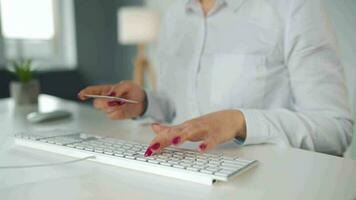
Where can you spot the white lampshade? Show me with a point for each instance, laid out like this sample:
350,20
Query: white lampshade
137,25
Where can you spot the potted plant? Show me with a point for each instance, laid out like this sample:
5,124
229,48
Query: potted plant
25,89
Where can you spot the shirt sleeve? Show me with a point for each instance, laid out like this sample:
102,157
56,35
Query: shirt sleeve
159,107
320,119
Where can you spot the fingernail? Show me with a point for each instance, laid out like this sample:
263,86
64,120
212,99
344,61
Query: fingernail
176,140
78,95
120,103
202,147
112,93
148,152
113,103
155,146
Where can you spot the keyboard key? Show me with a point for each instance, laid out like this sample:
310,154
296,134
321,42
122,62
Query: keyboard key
172,162
118,152
185,164
190,159
200,162
213,169
118,155
165,164
215,161
199,166
178,166
160,160
130,157
153,161
192,169
206,171
109,152
141,159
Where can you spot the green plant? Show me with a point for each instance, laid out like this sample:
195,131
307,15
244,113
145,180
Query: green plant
23,70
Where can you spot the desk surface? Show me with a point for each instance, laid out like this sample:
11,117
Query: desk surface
283,173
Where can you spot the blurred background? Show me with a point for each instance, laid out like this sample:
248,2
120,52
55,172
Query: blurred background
75,43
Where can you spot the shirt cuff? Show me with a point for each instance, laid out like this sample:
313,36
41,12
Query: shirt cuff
152,105
256,130
239,141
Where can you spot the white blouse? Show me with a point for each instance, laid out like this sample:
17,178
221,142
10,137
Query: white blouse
274,60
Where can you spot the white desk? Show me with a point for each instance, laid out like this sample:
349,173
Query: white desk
282,173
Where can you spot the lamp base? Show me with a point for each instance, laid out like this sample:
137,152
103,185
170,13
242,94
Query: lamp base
142,66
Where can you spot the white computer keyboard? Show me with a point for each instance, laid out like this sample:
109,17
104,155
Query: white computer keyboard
172,162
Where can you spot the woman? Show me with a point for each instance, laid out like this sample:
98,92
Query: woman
246,70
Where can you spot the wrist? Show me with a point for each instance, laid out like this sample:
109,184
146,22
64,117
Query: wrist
144,104
240,131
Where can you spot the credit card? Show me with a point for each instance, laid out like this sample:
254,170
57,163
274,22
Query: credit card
111,97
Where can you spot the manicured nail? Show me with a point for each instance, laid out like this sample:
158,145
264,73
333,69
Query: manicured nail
120,103
155,146
202,147
113,103
176,140
112,93
148,152
78,95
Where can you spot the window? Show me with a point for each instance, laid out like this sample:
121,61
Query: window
39,29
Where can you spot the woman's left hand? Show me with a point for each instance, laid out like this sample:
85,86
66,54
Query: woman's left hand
212,129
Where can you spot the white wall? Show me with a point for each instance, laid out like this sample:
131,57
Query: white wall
343,15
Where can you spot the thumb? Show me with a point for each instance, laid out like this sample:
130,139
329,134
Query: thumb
157,127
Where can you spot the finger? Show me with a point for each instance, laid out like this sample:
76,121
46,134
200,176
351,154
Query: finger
179,134
122,88
157,145
111,91
207,144
162,129
162,139
100,103
189,132
158,128
94,90
108,110
117,114
104,103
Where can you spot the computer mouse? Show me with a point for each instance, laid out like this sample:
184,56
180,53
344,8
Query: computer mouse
37,117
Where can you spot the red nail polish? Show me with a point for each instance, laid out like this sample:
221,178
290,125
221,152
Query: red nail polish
113,103
112,93
155,146
202,147
176,140
148,152
120,103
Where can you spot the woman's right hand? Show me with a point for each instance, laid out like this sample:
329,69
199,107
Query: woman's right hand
116,109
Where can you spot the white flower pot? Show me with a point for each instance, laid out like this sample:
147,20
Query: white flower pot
25,93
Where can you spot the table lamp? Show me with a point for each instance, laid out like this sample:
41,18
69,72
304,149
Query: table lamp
139,26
